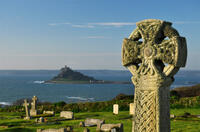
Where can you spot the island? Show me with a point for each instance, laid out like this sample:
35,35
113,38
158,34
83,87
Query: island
69,76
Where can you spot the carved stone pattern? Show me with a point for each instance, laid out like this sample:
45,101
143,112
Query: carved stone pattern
145,116
153,61
149,30
172,52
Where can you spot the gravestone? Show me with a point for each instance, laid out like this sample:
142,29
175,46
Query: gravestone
49,112
112,127
26,104
93,122
33,110
53,130
153,53
131,108
172,116
67,114
115,109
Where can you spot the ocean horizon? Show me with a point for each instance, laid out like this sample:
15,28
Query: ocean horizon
20,84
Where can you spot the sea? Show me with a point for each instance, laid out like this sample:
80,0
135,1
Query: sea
21,84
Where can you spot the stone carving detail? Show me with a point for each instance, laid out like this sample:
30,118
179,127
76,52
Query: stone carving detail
146,116
153,53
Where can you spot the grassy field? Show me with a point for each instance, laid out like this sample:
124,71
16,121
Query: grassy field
16,124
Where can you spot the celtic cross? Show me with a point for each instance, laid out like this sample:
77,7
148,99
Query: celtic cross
153,53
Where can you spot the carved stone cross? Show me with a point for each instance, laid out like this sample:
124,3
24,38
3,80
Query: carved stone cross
26,104
33,111
153,53
34,103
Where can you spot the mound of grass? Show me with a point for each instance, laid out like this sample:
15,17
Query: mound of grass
190,91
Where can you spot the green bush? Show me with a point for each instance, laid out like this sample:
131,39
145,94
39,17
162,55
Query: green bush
60,104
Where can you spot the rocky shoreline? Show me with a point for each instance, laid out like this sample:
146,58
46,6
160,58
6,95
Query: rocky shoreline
86,82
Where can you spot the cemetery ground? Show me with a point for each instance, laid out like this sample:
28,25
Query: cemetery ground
185,112
14,123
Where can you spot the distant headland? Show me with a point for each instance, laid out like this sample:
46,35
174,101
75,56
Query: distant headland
69,76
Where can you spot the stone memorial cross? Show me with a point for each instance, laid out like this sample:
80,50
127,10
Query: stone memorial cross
26,104
34,103
34,106
153,53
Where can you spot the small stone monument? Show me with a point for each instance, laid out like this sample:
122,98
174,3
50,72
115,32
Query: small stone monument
112,127
49,112
153,53
26,104
172,116
93,122
53,130
131,108
33,110
115,109
67,114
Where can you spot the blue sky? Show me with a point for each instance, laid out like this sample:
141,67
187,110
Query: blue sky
85,34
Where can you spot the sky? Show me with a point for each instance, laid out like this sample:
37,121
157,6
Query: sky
86,34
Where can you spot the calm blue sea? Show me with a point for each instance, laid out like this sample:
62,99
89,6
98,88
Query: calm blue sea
18,84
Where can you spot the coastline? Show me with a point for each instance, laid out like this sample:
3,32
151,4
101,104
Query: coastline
86,82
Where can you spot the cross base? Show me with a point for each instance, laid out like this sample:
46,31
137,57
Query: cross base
151,113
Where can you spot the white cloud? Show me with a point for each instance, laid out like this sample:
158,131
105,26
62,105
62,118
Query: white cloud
57,24
92,25
112,24
82,26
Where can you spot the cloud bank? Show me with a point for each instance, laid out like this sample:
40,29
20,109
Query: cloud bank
111,24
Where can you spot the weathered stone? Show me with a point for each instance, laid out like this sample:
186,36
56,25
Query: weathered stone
114,127
52,130
67,114
172,116
49,112
33,111
115,109
153,53
26,104
131,108
93,122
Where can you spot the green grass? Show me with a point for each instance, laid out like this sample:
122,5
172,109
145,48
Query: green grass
19,125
